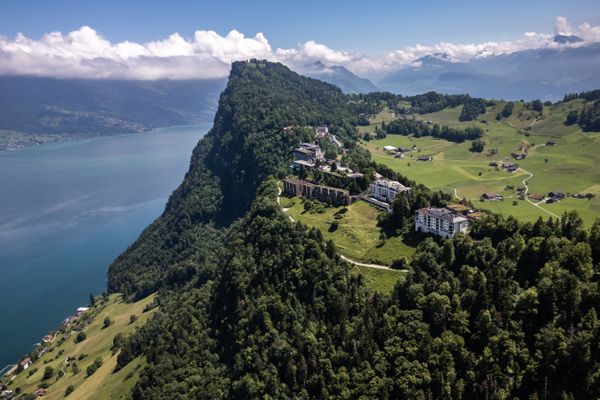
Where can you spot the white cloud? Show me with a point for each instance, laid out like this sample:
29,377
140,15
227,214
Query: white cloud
85,53
562,26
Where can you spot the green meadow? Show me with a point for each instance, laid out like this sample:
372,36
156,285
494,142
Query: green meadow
572,166
357,235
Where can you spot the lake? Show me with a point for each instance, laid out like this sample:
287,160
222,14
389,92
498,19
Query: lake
66,211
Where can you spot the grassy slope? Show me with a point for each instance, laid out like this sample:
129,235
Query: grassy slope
573,166
103,384
357,237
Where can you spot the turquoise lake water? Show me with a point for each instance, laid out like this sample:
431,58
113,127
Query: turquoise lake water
66,211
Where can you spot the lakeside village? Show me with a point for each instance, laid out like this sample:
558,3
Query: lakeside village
310,161
72,325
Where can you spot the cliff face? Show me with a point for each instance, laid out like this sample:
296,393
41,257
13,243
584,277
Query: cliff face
245,145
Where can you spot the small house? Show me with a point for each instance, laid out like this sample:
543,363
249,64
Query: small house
490,196
493,164
424,158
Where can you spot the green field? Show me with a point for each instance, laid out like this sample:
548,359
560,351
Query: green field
103,383
357,235
573,166
380,280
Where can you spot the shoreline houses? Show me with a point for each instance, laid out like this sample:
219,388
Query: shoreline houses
386,190
440,221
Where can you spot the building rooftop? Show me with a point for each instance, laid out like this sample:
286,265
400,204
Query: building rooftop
443,214
395,185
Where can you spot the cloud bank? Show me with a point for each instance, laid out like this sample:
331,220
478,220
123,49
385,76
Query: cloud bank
85,53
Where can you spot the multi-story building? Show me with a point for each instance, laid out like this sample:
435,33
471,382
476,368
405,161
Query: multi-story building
328,194
307,152
440,221
386,190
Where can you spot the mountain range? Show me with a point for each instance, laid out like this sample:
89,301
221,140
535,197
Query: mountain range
547,73
79,107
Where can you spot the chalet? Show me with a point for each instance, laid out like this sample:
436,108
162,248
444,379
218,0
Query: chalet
301,188
386,190
519,156
424,158
551,143
440,221
491,196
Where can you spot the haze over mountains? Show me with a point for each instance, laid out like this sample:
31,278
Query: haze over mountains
546,73
81,107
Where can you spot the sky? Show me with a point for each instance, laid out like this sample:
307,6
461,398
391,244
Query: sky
198,39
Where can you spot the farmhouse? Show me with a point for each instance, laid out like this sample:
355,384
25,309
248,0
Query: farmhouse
491,196
510,167
534,196
300,188
440,221
555,197
386,190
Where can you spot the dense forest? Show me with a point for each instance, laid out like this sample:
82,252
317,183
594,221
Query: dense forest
589,116
420,128
253,305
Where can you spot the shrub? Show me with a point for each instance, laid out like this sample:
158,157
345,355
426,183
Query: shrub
80,337
48,373
69,390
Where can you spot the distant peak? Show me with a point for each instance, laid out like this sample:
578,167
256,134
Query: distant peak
565,39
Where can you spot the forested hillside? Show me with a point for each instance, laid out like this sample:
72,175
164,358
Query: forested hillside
244,147
261,307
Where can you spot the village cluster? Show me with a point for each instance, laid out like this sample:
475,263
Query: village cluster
73,322
381,193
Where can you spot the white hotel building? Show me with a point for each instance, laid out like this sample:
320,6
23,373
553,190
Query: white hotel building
386,190
440,221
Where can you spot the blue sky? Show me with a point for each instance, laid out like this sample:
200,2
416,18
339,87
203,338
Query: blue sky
199,39
369,27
